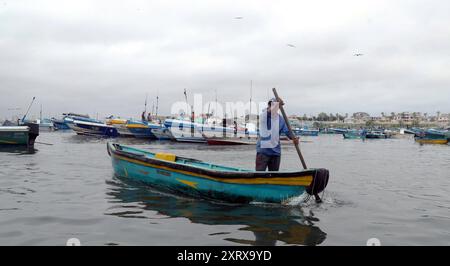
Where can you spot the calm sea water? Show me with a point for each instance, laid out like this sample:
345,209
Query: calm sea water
395,190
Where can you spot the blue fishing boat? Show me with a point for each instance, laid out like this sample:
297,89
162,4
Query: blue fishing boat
45,124
121,126
60,124
187,131
355,134
306,132
195,178
162,133
140,129
326,131
94,129
240,137
431,137
67,120
134,128
376,134
338,130
184,131
412,131
444,132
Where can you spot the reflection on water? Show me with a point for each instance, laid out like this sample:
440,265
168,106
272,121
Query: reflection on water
269,224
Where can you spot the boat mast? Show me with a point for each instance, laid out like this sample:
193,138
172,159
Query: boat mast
251,94
215,110
187,103
250,111
153,109
145,105
247,119
25,115
157,102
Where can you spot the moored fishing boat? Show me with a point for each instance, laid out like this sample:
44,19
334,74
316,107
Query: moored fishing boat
162,133
230,136
230,140
185,131
326,131
200,179
24,135
120,125
59,124
431,137
67,120
445,132
337,130
355,134
94,129
412,131
45,124
306,132
140,129
376,134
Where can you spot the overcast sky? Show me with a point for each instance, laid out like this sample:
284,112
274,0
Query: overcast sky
105,56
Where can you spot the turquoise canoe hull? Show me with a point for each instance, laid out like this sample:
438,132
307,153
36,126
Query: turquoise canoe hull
221,184
352,135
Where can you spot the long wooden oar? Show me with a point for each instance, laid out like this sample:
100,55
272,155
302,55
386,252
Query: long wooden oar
289,128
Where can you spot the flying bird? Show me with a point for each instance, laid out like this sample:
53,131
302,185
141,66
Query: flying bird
358,54
290,45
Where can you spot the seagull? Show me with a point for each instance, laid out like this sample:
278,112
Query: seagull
290,45
358,54
238,17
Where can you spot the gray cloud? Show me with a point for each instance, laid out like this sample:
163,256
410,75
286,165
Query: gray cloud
104,56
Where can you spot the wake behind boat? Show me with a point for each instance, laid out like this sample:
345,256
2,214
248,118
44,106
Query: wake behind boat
192,177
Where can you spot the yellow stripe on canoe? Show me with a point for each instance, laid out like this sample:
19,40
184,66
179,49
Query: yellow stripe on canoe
290,181
432,141
8,142
116,121
189,183
136,126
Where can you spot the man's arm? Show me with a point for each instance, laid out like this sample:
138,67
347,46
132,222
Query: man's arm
284,129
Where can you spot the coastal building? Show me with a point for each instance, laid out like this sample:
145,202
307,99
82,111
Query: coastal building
363,116
443,118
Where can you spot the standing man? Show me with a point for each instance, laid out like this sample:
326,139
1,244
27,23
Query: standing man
268,148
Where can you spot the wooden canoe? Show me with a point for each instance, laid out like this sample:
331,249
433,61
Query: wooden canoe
192,177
